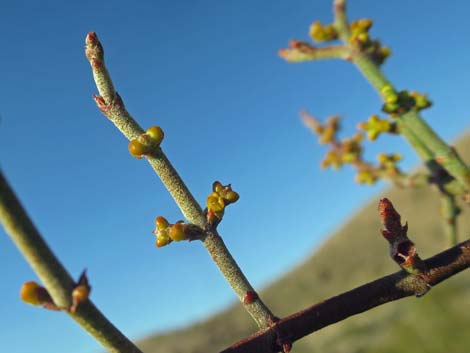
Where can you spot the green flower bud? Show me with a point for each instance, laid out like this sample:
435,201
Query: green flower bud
215,202
137,149
176,232
156,134
231,196
161,223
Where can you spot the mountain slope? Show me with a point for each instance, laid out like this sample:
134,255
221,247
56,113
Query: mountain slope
354,255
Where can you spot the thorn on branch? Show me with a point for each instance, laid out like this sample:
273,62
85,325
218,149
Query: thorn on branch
81,292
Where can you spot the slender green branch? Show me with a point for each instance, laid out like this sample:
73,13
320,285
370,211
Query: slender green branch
371,71
341,21
24,234
450,211
112,106
411,126
300,51
53,275
438,175
442,152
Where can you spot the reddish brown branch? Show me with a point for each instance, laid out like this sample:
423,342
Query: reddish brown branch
363,298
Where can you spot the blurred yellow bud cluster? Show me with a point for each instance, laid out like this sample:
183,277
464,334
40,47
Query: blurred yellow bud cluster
375,126
403,101
347,151
388,162
366,176
387,168
218,199
421,100
350,150
360,36
360,30
322,33
326,132
142,145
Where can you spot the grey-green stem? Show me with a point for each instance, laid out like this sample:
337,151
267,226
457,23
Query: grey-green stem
52,273
411,120
113,108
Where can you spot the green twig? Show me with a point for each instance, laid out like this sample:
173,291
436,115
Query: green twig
429,146
341,21
438,176
299,51
411,120
450,211
53,275
112,106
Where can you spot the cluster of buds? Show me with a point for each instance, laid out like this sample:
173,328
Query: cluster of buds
403,101
367,175
218,199
388,162
347,151
387,167
166,232
421,100
326,132
146,142
322,33
35,294
360,31
376,126
360,36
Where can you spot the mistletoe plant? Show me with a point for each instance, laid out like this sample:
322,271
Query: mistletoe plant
445,170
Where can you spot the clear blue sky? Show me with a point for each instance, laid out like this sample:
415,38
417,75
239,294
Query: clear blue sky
209,74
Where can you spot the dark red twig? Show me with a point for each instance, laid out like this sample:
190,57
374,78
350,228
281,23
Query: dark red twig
386,289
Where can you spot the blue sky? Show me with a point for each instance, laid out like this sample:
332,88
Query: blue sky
209,74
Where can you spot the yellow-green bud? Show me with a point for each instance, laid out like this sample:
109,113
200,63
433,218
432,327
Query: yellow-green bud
217,187
162,241
137,149
364,23
316,31
29,293
176,232
215,202
156,134
161,223
231,196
